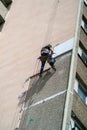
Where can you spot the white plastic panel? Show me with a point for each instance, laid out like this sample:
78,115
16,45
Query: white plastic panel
63,47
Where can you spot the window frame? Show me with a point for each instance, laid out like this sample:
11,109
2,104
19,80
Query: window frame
84,24
76,123
79,89
82,54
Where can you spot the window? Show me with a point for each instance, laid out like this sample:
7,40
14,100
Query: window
1,20
4,7
3,11
85,1
82,55
80,90
84,24
75,123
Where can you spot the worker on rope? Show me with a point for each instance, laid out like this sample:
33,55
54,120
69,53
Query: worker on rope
46,55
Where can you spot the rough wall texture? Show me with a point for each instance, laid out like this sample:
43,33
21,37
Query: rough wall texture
29,25
47,115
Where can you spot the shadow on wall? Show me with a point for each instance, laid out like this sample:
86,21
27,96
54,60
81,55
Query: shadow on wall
37,86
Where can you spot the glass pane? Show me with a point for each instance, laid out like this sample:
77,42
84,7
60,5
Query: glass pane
82,94
84,58
85,27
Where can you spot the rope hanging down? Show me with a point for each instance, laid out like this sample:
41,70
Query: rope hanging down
51,21
36,66
49,30
47,37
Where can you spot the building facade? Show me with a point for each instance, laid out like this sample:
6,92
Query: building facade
30,102
64,99
79,107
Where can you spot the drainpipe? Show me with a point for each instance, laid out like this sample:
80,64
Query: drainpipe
69,96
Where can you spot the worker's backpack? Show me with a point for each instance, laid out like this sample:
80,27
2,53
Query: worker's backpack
51,60
45,50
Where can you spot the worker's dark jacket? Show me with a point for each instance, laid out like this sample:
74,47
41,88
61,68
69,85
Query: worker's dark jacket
45,52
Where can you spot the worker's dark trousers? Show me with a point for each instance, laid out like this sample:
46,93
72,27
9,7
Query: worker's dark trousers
43,62
51,62
42,66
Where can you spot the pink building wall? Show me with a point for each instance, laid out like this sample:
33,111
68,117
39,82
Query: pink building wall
29,25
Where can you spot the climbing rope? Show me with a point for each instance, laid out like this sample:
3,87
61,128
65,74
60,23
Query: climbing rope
51,21
49,30
36,66
50,26
47,37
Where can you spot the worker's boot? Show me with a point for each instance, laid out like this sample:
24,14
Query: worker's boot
54,68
